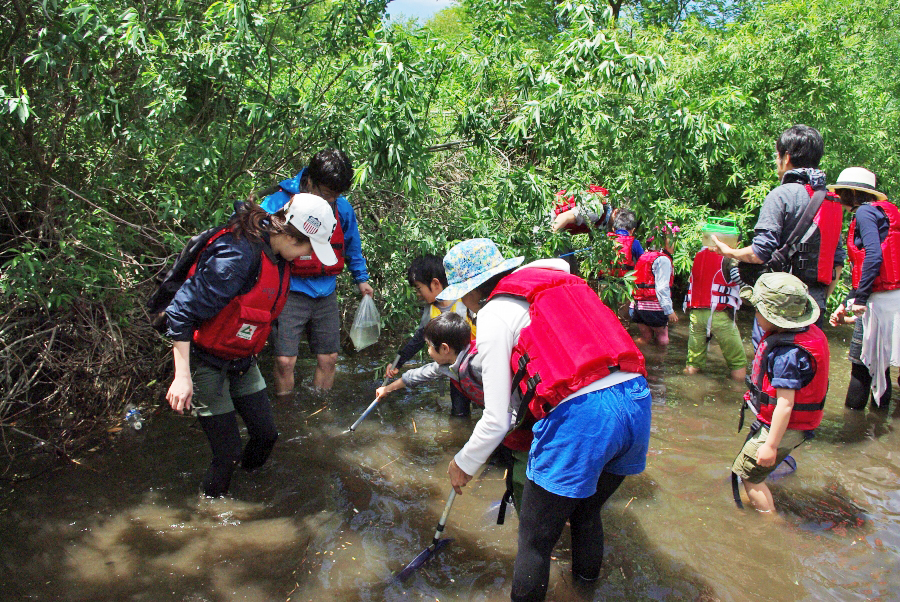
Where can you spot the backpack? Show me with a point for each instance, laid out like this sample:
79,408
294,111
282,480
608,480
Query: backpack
781,258
169,283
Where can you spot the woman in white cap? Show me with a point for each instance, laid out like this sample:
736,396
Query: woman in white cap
221,317
873,245
581,402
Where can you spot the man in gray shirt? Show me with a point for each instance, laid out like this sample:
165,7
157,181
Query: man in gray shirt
820,258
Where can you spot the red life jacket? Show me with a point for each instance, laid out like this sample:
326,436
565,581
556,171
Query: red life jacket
240,330
555,357
814,260
709,285
644,281
625,254
310,266
564,204
470,386
808,401
888,278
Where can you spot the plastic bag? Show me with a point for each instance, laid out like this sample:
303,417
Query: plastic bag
366,325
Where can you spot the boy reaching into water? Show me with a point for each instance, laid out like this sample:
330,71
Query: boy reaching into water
450,345
788,381
426,275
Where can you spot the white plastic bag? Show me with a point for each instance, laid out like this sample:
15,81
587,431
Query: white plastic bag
366,325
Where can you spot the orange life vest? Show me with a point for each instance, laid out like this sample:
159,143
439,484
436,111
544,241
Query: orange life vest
709,286
553,357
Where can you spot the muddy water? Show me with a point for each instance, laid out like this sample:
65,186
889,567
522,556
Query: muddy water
334,515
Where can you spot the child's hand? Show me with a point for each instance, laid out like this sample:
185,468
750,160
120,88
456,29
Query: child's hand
380,392
766,455
390,371
673,318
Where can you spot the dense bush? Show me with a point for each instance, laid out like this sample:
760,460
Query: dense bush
127,127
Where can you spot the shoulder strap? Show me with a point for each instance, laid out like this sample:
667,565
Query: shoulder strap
781,255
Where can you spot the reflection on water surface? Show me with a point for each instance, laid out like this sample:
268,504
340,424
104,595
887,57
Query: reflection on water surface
335,515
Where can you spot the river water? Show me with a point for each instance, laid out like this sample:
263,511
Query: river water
335,515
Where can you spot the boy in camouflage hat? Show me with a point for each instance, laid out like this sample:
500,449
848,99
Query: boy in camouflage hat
788,381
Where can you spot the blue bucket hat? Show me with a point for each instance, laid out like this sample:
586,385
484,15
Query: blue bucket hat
470,264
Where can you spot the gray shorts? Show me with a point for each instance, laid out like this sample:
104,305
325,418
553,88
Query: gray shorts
318,320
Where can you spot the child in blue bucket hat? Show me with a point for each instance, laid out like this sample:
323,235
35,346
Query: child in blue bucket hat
577,371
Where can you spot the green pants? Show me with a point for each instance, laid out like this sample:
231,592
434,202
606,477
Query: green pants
725,332
214,390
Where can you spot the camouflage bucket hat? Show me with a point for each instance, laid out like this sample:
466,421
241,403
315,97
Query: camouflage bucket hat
782,299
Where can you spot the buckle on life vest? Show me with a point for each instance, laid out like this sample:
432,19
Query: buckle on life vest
521,372
735,479
531,389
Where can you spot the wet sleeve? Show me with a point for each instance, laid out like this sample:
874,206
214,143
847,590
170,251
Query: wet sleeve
497,330
790,367
418,376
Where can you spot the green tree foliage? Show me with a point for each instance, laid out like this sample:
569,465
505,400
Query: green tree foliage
127,127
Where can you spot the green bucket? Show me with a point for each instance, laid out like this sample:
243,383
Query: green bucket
723,228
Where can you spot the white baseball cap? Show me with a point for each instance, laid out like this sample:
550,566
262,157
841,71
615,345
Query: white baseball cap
314,217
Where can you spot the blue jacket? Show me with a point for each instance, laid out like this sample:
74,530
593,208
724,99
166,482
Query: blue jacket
226,268
322,286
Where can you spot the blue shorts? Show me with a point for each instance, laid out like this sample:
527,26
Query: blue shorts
602,431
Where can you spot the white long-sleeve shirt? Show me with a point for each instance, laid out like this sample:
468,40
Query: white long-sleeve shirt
499,325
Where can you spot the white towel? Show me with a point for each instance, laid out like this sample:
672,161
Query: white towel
881,337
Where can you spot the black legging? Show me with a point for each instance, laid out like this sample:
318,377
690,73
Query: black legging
541,522
860,388
225,440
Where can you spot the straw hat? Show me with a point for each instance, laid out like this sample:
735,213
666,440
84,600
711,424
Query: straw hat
783,300
470,264
857,178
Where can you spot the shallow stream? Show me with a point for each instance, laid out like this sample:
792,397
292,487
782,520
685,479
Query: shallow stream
335,515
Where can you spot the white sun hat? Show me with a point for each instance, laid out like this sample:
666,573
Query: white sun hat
857,178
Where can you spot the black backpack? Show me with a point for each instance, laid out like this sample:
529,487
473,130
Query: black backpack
169,283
